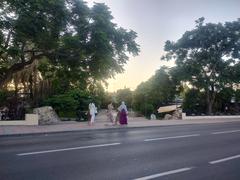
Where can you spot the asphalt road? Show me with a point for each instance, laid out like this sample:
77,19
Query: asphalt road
189,152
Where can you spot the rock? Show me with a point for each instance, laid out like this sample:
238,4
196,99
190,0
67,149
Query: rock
177,114
167,117
46,115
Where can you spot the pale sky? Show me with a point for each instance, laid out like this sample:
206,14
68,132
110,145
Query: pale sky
157,21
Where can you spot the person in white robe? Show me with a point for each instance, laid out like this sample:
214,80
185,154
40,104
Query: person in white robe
92,112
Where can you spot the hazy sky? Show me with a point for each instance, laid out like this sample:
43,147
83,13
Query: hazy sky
157,21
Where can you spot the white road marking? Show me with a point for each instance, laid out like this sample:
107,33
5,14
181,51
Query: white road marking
164,173
67,149
172,137
225,159
225,132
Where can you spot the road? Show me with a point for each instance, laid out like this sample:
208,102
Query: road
168,153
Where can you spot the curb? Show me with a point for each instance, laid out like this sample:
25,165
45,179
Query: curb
78,130
106,129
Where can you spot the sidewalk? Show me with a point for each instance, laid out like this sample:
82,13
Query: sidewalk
101,123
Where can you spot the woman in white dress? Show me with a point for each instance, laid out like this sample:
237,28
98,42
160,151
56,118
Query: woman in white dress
92,112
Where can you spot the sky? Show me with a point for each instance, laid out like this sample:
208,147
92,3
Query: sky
155,22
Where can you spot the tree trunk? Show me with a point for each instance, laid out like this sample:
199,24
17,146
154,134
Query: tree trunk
31,87
209,106
210,100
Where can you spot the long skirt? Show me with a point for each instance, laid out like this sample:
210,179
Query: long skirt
123,117
110,116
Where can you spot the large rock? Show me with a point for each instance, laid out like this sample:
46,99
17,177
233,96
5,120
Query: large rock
46,115
177,114
167,117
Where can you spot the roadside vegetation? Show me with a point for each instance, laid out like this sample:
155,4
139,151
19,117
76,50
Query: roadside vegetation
61,53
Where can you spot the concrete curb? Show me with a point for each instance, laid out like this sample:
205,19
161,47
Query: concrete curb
108,129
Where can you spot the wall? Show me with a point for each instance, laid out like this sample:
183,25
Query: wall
30,119
184,117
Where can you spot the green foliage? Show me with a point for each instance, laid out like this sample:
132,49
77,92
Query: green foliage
107,99
62,103
223,98
70,103
207,57
194,102
82,97
76,47
237,95
125,95
157,91
3,97
147,109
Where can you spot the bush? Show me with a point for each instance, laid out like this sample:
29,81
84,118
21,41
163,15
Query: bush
62,103
3,97
70,103
147,109
194,102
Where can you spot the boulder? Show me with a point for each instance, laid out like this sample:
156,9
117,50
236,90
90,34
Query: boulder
177,114
46,115
167,117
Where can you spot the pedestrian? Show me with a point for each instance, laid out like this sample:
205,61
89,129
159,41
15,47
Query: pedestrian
92,111
123,113
4,113
153,116
117,117
110,112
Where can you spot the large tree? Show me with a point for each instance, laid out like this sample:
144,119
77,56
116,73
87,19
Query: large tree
124,95
207,57
156,91
29,30
63,41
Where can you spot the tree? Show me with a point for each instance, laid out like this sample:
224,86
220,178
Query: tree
124,95
194,102
208,57
70,103
156,91
29,30
62,43
162,87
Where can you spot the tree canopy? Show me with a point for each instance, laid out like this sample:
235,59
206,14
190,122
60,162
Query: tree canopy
62,43
124,95
156,91
207,57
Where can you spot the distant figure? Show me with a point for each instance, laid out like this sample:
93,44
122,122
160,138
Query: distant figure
226,109
4,113
153,117
123,113
110,113
20,111
92,111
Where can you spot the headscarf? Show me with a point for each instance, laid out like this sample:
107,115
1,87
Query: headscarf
122,106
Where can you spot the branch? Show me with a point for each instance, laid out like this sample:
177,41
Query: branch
8,39
17,67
